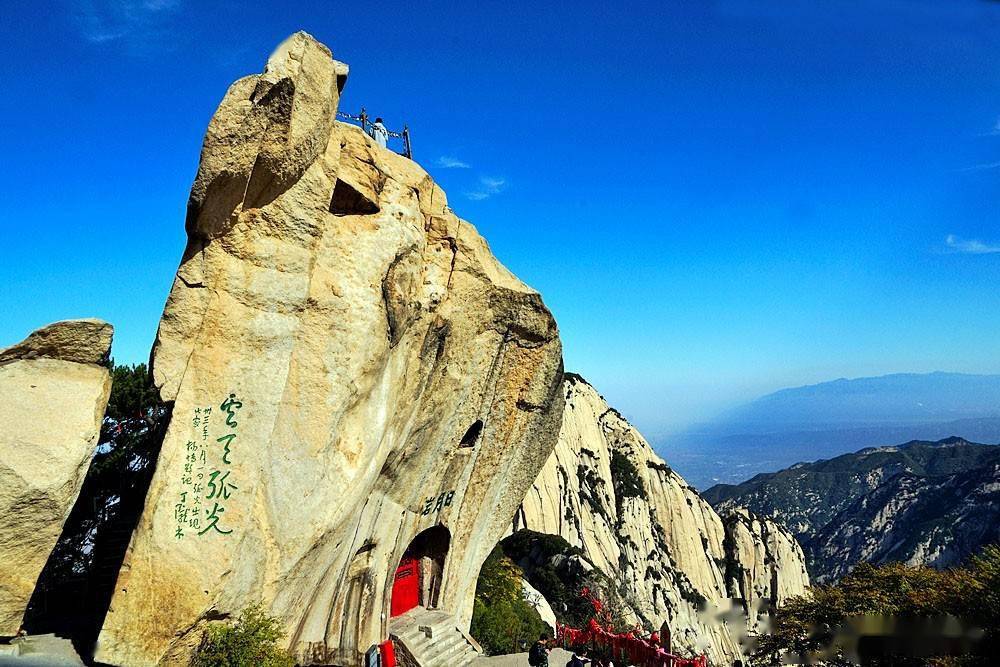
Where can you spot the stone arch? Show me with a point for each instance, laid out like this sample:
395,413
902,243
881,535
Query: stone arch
418,577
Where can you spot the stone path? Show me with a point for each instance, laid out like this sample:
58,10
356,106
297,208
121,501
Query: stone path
557,658
39,651
52,651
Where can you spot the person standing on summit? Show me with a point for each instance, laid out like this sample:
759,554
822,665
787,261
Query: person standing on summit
379,133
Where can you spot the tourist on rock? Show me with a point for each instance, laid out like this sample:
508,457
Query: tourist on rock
538,655
379,133
577,661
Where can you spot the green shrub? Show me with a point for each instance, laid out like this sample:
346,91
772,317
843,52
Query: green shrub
807,624
254,640
625,477
560,571
502,620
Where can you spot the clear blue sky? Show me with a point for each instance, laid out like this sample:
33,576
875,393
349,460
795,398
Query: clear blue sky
716,199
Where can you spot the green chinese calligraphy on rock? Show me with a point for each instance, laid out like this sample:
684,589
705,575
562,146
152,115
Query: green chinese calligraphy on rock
212,520
225,451
230,406
218,486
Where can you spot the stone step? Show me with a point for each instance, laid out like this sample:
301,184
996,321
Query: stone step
446,645
454,654
446,648
438,650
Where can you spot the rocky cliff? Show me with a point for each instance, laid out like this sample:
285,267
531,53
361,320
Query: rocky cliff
923,503
54,387
354,376
605,491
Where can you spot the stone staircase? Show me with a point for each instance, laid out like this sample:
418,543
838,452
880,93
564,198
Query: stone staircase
433,639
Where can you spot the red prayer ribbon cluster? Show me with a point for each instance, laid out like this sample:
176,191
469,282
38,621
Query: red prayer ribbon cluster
638,650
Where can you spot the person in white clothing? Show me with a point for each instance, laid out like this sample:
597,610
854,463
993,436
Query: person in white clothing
379,133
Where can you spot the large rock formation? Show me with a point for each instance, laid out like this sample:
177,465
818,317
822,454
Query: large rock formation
605,491
54,388
764,562
352,372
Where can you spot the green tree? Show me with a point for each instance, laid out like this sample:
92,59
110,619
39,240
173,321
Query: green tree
254,640
984,597
502,620
625,478
561,572
806,625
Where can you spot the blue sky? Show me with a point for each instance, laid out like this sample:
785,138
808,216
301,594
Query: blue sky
716,199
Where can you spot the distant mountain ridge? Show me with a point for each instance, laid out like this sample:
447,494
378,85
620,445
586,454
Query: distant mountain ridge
930,503
899,398
831,418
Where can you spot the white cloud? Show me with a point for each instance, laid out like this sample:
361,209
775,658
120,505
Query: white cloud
981,167
451,162
102,21
993,131
488,186
970,246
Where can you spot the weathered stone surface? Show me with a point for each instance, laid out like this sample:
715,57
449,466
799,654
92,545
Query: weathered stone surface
664,544
85,341
762,557
53,393
381,373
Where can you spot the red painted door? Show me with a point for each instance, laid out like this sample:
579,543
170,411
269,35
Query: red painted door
405,587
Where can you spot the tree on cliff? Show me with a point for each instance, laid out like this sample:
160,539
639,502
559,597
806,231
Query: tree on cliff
910,604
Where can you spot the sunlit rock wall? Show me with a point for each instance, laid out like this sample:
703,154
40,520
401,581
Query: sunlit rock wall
54,387
676,560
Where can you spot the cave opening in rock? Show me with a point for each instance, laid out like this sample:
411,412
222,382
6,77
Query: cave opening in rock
347,200
472,435
417,580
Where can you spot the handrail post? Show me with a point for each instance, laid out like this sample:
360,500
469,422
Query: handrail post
406,142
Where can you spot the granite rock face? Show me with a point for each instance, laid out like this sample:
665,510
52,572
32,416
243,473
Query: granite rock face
53,392
921,503
605,491
764,561
354,375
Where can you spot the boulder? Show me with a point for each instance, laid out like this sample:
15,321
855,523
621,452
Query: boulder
357,384
605,491
54,387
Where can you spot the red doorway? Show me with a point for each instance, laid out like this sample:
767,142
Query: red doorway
417,581
405,587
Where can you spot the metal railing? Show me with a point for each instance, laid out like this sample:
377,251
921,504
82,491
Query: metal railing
367,126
